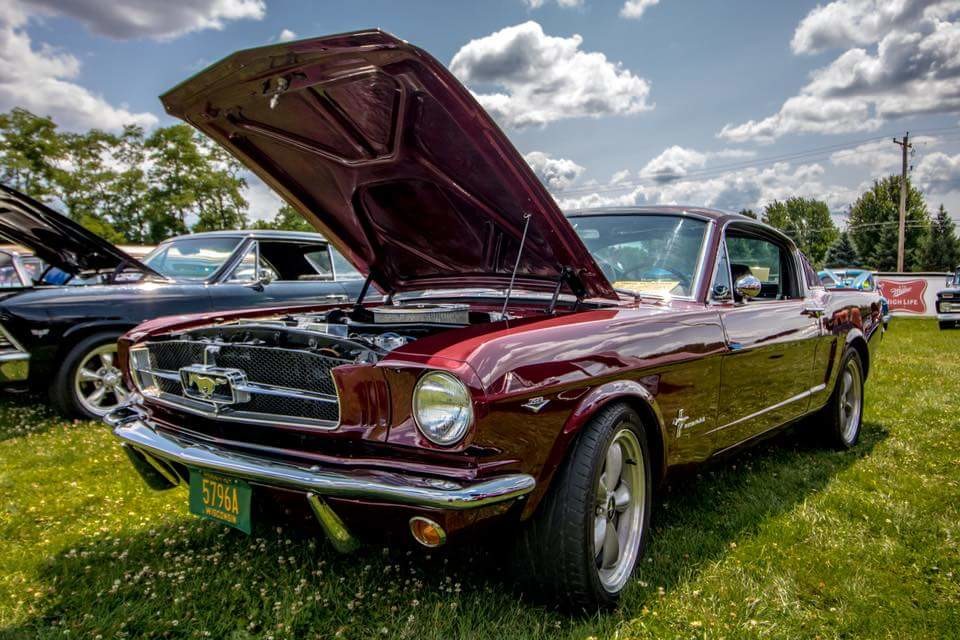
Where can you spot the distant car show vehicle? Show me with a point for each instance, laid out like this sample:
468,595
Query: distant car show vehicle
64,304
948,302
858,280
531,370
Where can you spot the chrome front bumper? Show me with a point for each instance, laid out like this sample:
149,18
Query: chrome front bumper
949,316
160,449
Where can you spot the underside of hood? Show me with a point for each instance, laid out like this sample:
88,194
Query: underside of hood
388,155
58,240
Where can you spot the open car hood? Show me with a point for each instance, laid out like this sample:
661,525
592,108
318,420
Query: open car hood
58,240
388,155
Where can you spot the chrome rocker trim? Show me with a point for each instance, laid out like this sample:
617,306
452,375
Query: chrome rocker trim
136,432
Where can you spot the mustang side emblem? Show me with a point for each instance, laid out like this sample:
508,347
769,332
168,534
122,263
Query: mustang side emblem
683,421
535,404
204,384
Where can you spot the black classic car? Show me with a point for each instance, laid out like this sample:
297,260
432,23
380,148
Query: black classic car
948,302
59,332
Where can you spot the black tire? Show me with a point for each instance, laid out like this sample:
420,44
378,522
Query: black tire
62,393
554,554
946,324
839,432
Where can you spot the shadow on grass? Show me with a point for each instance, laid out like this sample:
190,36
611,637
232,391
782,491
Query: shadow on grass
23,412
191,577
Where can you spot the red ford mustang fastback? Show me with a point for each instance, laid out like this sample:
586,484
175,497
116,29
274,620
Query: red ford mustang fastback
525,368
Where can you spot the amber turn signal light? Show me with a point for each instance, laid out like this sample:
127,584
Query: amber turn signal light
427,532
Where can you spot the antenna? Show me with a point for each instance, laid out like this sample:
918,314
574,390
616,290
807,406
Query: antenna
513,276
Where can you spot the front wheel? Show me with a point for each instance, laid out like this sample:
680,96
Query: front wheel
89,384
581,546
947,324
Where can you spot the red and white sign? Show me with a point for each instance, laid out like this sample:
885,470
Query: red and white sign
904,295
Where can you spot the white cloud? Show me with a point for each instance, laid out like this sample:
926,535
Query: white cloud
734,190
287,35
541,79
860,22
556,173
635,8
264,201
566,4
159,19
937,174
39,78
676,161
914,68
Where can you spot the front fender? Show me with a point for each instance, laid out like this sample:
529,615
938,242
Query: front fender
636,394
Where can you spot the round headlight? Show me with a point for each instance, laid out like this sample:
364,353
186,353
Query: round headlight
442,408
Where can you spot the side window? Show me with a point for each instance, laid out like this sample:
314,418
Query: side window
767,261
722,289
8,272
251,267
868,284
344,269
319,260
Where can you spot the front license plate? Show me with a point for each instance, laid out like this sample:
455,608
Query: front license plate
220,498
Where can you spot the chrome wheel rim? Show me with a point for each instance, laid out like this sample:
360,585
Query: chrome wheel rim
618,519
851,390
98,382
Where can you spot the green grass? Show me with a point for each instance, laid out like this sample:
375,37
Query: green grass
784,541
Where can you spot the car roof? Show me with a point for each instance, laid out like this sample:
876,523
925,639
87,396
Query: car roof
272,234
703,213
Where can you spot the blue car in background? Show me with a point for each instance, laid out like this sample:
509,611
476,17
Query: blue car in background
858,279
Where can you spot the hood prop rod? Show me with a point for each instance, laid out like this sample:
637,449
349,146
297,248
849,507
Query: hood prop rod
565,273
363,292
516,265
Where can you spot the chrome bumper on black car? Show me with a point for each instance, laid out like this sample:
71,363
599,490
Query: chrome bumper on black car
160,449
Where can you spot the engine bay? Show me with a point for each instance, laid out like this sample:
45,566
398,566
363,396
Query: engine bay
357,335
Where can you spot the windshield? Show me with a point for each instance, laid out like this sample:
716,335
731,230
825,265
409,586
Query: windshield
656,254
191,258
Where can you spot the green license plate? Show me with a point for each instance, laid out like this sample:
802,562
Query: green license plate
220,498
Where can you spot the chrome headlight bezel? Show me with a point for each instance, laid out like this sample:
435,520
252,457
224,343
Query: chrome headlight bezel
443,430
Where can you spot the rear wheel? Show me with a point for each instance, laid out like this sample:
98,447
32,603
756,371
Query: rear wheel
89,384
843,415
581,546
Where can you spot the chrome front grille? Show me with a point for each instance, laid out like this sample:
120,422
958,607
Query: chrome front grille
279,386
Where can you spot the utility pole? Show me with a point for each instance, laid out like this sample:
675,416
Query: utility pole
905,148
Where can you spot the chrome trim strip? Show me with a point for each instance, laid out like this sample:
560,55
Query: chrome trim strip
251,387
756,414
953,315
397,488
228,415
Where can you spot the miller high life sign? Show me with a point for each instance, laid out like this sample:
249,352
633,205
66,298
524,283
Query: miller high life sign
904,295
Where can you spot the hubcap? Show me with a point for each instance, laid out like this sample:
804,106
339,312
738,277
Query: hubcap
618,522
851,389
98,383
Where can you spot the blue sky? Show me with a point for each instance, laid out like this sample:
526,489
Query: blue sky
626,101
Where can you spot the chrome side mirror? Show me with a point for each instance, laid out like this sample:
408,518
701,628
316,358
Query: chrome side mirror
748,287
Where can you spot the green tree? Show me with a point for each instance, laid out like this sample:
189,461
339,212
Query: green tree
287,218
842,253
941,252
220,186
873,224
83,177
177,167
750,213
807,221
30,148
128,194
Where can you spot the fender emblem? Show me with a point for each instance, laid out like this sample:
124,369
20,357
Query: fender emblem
683,421
535,404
